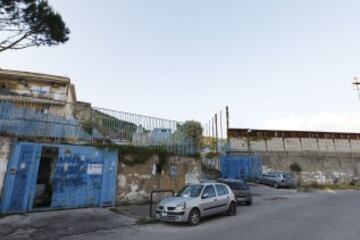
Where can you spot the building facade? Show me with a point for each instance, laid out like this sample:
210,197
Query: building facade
47,93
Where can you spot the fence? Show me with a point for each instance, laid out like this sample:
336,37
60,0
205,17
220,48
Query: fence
61,121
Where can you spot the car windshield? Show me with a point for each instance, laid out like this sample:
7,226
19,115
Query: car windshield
237,185
191,191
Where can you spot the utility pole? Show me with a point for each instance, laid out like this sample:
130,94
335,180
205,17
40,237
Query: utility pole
227,120
216,132
221,126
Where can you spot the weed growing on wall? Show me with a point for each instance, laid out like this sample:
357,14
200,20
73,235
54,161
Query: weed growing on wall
134,155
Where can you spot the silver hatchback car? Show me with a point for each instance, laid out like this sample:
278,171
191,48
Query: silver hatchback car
195,201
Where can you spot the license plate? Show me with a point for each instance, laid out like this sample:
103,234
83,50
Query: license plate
164,214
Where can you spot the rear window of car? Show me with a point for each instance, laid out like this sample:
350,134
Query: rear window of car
238,185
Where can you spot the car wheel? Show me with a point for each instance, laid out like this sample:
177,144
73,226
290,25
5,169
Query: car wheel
232,209
248,203
194,217
276,185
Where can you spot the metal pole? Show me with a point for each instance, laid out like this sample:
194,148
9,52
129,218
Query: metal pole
227,127
221,126
216,132
209,129
227,119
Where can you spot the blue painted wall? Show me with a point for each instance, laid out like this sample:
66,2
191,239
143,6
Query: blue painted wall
84,177
240,167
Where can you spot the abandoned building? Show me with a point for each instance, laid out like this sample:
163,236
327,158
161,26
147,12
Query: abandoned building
48,93
37,111
47,156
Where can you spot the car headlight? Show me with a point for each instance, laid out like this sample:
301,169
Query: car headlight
181,206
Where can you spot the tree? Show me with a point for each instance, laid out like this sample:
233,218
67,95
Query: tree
28,23
189,131
296,168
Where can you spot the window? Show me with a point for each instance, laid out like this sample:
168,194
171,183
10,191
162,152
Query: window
209,191
238,185
221,190
225,190
288,176
191,190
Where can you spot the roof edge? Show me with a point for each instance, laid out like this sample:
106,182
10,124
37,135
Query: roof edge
34,75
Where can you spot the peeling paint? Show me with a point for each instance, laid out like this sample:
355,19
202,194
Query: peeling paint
135,183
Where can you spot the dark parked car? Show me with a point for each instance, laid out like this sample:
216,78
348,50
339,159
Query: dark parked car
240,189
278,179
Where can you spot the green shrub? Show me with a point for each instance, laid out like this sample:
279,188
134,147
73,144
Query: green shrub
295,167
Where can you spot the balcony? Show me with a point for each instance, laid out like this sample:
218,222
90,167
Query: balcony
33,95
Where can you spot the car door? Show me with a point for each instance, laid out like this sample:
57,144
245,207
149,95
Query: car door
266,178
223,197
278,178
272,177
209,201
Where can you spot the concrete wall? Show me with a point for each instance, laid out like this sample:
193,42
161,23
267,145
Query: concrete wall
322,160
5,148
135,183
320,167
296,144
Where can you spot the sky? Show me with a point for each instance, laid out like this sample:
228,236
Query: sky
276,64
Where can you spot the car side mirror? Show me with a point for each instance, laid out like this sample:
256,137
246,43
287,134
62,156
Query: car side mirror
205,195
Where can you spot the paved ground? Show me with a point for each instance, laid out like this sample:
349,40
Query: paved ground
275,214
59,224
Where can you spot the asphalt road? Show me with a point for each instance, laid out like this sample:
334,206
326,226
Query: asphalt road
275,215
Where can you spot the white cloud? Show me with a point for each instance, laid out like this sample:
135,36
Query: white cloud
347,122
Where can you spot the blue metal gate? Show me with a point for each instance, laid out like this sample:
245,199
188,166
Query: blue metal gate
240,167
20,178
83,177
